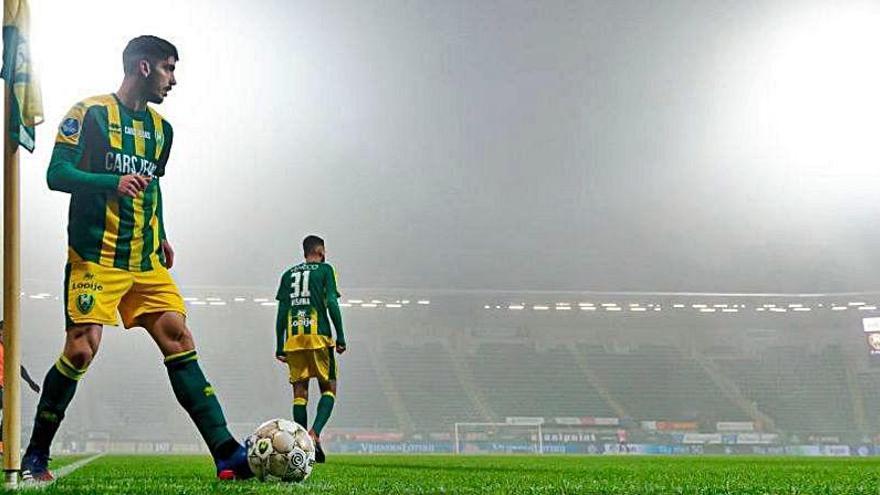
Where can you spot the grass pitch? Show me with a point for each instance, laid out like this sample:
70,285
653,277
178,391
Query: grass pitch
385,474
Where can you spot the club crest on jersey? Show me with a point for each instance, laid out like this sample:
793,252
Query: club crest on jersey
85,302
69,127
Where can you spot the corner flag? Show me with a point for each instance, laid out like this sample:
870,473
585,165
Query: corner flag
27,106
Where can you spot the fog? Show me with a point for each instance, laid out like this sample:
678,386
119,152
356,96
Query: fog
499,145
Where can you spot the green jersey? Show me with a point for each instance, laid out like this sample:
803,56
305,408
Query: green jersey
307,302
98,141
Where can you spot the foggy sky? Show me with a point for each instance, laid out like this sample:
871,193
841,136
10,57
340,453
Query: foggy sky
498,145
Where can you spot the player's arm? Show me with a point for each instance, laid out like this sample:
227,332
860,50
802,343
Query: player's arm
281,321
167,250
334,310
64,173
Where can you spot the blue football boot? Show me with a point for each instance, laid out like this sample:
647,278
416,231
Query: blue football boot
235,467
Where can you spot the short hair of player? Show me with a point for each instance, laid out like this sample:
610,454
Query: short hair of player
146,47
311,244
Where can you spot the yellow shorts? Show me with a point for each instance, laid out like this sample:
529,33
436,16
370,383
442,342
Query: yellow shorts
94,293
312,363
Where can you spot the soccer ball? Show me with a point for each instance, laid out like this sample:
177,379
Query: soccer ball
281,450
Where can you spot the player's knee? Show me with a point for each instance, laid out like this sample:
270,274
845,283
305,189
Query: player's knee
79,356
301,389
82,345
174,337
184,339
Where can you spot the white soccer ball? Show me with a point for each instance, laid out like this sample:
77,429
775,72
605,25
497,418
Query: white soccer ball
281,450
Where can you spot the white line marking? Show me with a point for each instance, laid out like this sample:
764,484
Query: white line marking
59,473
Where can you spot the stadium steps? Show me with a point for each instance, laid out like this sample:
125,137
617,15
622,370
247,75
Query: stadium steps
463,374
856,397
424,377
386,381
517,379
869,382
597,384
361,402
804,391
732,391
655,382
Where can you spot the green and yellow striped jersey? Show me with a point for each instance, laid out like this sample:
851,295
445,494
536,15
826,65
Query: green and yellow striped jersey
98,141
307,302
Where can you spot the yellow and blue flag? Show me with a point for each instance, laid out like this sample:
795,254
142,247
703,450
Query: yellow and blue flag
26,102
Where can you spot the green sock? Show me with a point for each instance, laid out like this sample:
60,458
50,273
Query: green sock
301,412
58,389
196,395
325,407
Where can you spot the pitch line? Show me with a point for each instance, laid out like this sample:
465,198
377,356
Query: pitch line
60,473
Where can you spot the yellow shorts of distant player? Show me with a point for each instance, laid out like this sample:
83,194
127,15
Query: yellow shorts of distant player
94,293
312,363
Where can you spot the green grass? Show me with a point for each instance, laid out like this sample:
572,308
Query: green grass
385,474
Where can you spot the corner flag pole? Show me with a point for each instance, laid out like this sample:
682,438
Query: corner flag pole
11,308
22,112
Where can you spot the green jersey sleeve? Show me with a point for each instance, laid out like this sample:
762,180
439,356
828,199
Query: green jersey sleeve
281,317
283,288
64,173
160,171
332,296
159,212
168,136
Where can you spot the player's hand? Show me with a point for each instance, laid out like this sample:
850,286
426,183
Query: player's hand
168,251
132,184
340,348
282,359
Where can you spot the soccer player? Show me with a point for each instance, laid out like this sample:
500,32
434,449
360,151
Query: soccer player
110,153
306,296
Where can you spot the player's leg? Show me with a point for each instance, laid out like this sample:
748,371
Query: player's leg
194,393
325,405
154,302
301,403
327,370
91,296
80,346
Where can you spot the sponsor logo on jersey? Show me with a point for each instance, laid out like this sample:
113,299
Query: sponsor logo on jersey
69,127
85,302
124,164
301,319
131,131
89,286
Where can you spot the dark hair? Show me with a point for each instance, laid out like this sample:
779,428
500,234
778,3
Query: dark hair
147,47
311,244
